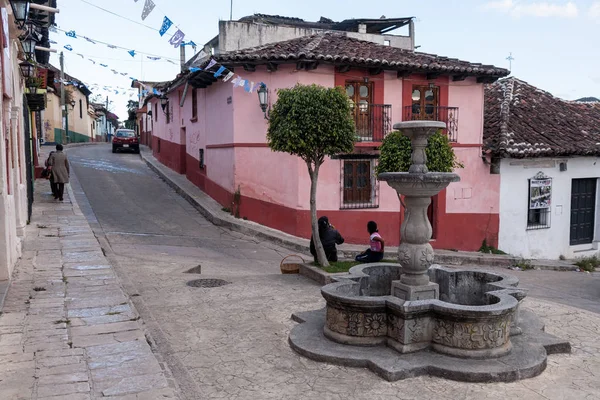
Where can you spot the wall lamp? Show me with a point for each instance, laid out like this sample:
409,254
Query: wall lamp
29,40
164,104
20,10
27,69
263,99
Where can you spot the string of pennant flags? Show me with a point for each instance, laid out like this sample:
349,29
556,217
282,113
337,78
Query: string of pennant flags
178,38
133,53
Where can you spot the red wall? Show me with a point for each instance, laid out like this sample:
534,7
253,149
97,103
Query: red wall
453,231
171,154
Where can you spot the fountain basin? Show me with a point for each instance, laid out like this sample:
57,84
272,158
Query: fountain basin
471,319
418,184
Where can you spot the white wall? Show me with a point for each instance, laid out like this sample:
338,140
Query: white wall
235,35
550,243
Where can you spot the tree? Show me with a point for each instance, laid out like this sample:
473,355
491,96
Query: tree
396,154
312,122
132,107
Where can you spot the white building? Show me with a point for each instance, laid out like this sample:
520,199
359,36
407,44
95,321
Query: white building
547,152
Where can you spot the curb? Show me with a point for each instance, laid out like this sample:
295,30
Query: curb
318,275
445,257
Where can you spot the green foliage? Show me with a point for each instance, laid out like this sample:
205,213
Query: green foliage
396,154
523,264
588,264
311,122
485,248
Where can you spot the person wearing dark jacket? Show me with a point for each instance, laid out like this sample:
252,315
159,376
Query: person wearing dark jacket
330,237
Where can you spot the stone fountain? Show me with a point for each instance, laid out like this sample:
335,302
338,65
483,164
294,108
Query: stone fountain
413,318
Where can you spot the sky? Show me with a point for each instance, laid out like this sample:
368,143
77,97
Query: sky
555,43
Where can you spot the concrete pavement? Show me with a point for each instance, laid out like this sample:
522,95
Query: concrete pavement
67,329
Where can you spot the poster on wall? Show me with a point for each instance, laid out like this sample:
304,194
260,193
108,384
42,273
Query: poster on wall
6,62
540,192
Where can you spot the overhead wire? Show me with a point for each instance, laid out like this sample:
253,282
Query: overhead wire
120,16
120,47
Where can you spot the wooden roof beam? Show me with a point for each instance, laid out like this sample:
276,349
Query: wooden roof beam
375,71
460,77
433,75
403,74
343,68
271,67
249,67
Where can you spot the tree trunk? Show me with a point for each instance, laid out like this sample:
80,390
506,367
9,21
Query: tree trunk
314,176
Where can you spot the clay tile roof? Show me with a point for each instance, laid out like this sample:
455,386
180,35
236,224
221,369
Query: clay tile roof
332,47
524,121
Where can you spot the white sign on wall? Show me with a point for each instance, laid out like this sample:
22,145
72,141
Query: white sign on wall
540,192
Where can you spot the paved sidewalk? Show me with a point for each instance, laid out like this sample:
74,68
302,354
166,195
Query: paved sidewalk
67,329
212,211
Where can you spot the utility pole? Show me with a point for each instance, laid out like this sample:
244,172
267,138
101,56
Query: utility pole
182,57
63,97
106,120
231,11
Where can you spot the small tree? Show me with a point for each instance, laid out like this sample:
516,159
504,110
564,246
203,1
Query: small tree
312,122
396,154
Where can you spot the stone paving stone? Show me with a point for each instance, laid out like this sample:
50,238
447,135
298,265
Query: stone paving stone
63,378
17,393
74,396
133,384
63,389
158,394
56,361
105,328
141,366
113,338
62,369
59,353
116,348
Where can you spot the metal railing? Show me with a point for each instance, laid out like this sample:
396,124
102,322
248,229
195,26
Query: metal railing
373,123
449,115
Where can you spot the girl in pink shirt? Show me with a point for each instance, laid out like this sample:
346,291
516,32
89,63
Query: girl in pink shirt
376,245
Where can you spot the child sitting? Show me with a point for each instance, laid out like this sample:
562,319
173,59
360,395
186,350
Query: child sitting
377,246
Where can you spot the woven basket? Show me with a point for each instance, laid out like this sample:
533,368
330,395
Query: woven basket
289,267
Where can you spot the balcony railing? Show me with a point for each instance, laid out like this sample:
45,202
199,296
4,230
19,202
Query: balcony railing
449,115
373,121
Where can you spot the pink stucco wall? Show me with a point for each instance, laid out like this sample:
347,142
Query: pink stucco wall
478,191
467,95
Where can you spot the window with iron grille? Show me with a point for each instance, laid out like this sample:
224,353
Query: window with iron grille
359,187
539,202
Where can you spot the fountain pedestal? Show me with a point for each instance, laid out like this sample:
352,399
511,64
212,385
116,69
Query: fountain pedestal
418,185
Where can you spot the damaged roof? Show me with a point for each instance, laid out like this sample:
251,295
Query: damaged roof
339,49
373,25
522,121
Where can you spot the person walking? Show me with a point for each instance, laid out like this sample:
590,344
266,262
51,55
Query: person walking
60,171
50,176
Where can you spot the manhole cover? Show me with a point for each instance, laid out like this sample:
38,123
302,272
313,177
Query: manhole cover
207,283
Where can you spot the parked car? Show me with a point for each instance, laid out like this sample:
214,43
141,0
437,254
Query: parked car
125,139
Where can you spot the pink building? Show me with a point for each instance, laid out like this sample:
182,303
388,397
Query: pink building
215,134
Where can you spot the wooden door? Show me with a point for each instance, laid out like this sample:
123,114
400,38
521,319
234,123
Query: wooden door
583,211
361,94
425,102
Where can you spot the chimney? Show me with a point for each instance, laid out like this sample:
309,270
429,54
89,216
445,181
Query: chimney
362,28
182,57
